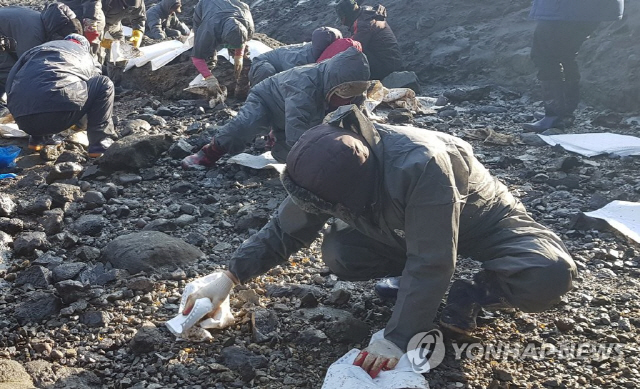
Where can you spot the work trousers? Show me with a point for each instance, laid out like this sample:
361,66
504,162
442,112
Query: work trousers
555,46
530,263
98,110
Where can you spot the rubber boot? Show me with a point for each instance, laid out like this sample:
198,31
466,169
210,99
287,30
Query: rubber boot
554,108
206,157
467,298
39,142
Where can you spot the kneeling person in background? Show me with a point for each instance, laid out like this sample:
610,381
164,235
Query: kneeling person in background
54,86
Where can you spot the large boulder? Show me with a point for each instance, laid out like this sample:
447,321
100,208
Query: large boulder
135,152
149,251
14,376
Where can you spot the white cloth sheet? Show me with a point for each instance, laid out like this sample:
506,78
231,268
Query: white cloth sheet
624,216
263,161
594,144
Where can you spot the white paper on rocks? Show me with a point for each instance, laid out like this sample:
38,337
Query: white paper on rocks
262,161
594,144
160,54
624,216
342,374
11,130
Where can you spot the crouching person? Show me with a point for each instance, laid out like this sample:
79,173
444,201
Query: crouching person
54,86
407,201
289,103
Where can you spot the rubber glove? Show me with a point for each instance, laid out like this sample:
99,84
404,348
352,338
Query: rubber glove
216,287
136,38
379,355
238,60
91,30
106,43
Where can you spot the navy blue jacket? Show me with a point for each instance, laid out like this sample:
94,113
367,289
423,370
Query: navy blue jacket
50,78
577,10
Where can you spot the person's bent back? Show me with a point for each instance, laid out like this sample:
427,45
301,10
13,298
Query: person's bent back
53,86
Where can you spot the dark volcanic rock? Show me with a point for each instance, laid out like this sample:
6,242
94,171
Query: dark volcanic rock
149,251
63,193
402,80
180,149
264,325
135,152
67,271
459,95
91,225
243,361
52,221
27,242
341,326
36,276
39,306
146,339
95,318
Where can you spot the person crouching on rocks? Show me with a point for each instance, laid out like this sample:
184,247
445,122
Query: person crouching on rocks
290,103
55,86
406,202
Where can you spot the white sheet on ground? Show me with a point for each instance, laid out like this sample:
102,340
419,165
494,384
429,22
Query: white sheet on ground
342,374
263,161
11,130
624,216
594,144
160,54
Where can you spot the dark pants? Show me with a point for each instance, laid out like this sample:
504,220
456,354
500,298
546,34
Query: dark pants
530,263
98,110
555,47
6,63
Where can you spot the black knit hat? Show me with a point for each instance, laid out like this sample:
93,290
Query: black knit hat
347,10
335,165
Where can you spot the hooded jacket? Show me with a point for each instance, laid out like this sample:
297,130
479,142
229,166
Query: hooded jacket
577,10
431,197
287,57
50,78
116,10
159,18
218,22
295,99
30,28
378,41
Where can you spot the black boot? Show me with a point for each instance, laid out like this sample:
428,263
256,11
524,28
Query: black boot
554,108
465,300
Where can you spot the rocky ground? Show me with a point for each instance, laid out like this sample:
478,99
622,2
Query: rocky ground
80,308
85,291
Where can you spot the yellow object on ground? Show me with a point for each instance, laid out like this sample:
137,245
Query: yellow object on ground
136,38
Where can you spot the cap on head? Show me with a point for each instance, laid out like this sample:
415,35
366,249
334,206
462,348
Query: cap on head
335,165
322,37
79,39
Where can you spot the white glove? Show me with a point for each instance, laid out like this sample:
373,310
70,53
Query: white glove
379,355
215,287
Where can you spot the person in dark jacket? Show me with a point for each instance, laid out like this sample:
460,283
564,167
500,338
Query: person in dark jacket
290,103
90,13
220,23
55,86
24,28
562,26
369,27
406,201
117,10
163,22
287,57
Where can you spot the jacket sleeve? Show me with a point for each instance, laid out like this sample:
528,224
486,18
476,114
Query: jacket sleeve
155,29
139,17
92,9
176,24
431,232
301,106
287,232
